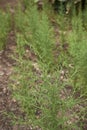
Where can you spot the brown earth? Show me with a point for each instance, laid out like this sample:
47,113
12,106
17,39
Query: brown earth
5,3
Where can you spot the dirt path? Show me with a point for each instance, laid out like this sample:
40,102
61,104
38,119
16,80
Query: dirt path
5,3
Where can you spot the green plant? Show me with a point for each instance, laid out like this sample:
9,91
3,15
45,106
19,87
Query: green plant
44,41
21,42
4,28
40,97
20,19
41,93
77,48
27,3
38,33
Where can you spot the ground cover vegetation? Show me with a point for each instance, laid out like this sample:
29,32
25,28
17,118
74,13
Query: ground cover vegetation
49,80
4,28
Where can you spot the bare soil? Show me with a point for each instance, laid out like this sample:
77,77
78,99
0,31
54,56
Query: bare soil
5,3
